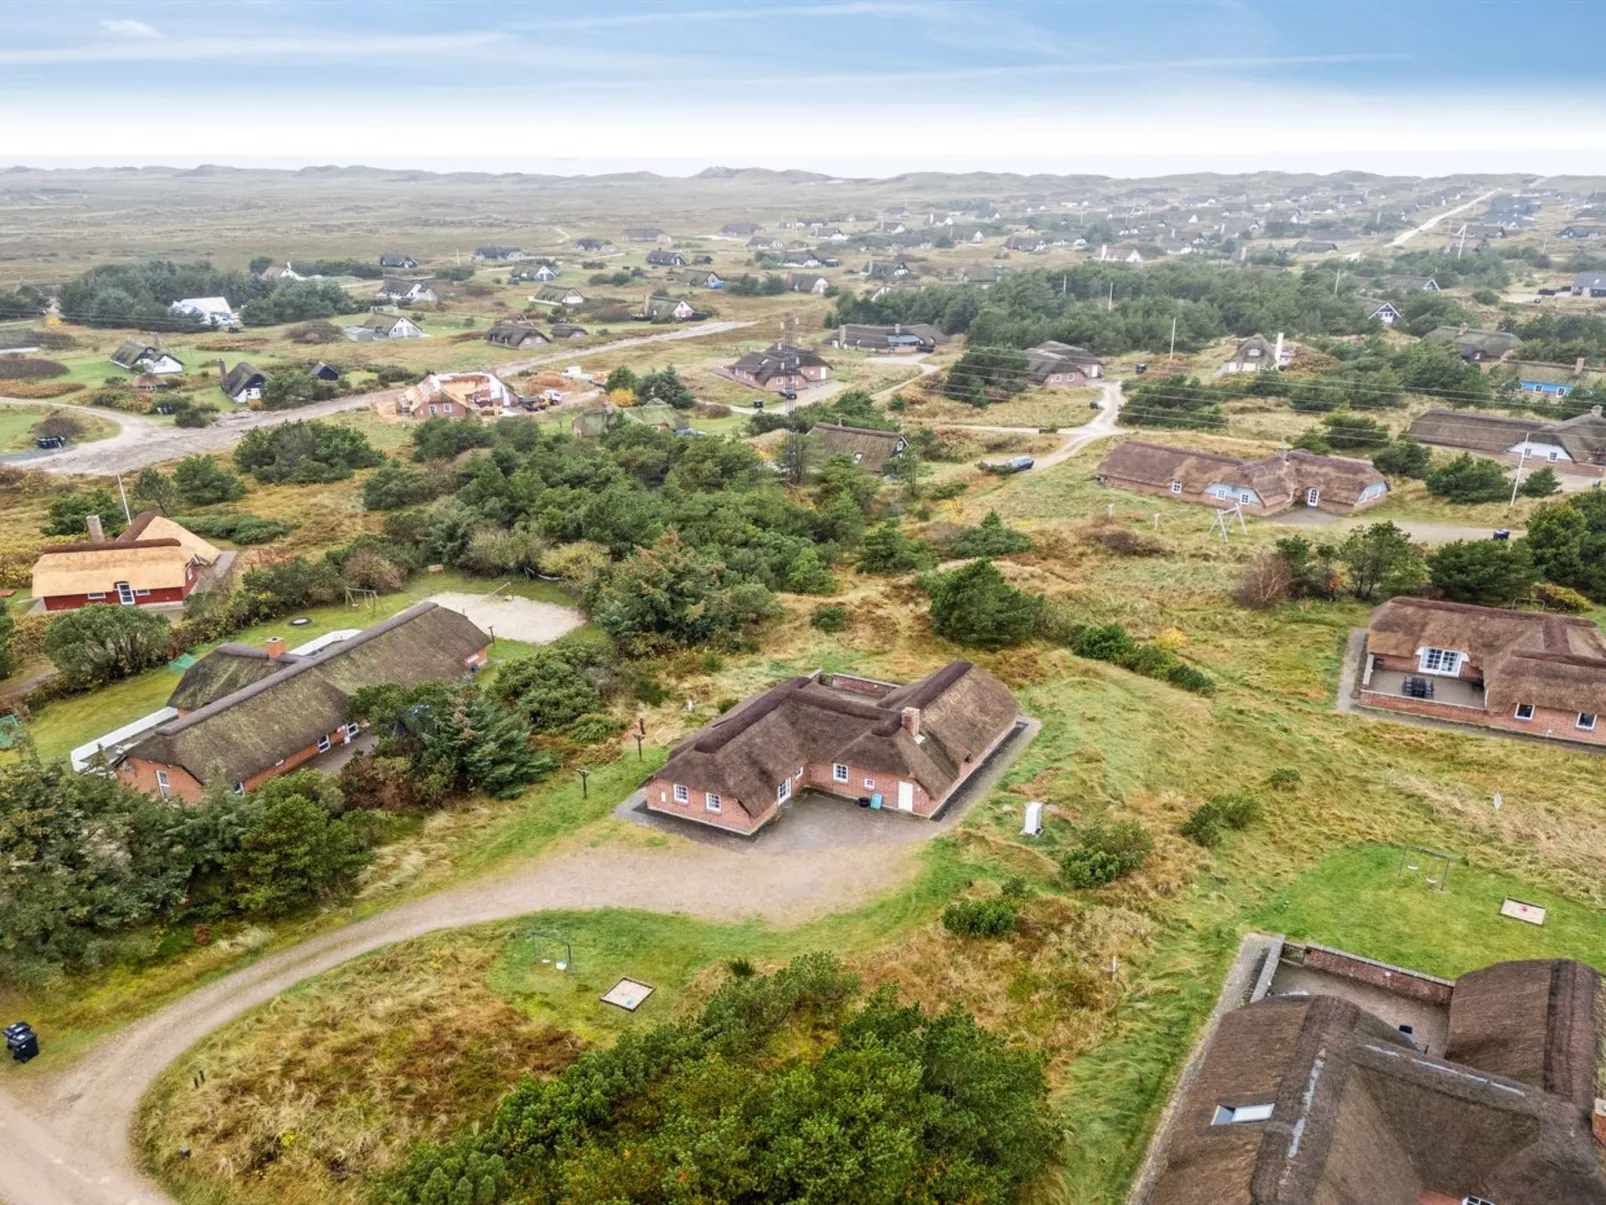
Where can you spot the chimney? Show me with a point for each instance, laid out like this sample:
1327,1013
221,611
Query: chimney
910,719
1578,367
841,336
96,532
275,647
897,328
1462,329
222,370
1277,357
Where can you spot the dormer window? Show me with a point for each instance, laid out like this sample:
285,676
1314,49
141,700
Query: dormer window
1176,487
1241,1114
1440,661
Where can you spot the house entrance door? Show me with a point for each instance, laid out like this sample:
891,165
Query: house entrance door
906,796
125,594
1313,495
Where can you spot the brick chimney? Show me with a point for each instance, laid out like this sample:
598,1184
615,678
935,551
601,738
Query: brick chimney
275,647
910,719
96,532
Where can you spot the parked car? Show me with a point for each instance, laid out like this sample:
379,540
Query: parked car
789,394
1141,367
1018,464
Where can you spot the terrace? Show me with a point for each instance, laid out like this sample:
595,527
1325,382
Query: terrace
1452,692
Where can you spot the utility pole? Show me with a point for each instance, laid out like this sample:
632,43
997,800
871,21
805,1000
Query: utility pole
1337,276
1112,295
127,514
1173,353
1516,481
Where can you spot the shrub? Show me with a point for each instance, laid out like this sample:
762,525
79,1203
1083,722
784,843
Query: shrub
1403,457
1468,479
1084,867
829,617
1551,597
741,968
201,482
1203,826
1107,643
98,644
975,605
68,514
1541,483
945,490
980,918
1148,660
1266,582
237,528
1127,841
1184,675
990,538
593,729
1284,778
1237,811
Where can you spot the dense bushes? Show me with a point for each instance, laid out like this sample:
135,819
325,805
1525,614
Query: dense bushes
99,643
989,538
21,368
1469,479
897,1104
303,452
299,301
395,486
1105,850
65,900
975,605
68,514
236,528
199,481
829,617
980,918
1111,642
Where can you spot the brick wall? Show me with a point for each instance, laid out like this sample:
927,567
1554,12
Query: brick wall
1379,974
1547,722
732,816
71,602
141,775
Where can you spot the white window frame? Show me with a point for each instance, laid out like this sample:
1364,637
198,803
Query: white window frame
869,784
352,729
682,795
1246,496
1522,707
1221,492
839,772
711,801
1444,662
1586,715
163,784
101,597
1176,487
1552,456
324,743
783,790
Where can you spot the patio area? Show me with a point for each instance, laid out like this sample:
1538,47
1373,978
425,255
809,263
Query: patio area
1429,1022
1453,692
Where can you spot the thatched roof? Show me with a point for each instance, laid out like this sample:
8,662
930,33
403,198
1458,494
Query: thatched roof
867,447
151,554
1490,433
1474,343
1277,479
241,377
1525,656
592,423
266,720
1360,1115
505,333
746,752
226,669
1529,1021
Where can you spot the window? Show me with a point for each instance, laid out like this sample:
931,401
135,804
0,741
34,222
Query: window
1551,456
1246,496
351,731
1176,487
1525,711
1241,1115
162,784
783,790
839,773
1586,721
869,784
1220,491
1439,661
858,456
323,744
682,795
711,801
146,593
96,597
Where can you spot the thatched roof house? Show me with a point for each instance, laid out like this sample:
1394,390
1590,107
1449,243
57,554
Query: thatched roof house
1311,1098
869,448
153,562
592,423
913,745
1475,345
260,713
1265,486
504,333
1577,440
1519,671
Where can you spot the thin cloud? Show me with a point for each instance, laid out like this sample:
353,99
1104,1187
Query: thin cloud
125,27
852,8
1006,71
141,49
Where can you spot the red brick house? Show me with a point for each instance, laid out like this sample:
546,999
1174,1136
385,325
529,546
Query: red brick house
780,367
153,561
254,713
1517,671
907,747
1262,487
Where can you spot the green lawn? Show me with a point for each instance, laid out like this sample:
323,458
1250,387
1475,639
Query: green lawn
67,723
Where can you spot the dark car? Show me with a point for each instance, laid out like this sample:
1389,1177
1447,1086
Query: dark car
1141,368
789,394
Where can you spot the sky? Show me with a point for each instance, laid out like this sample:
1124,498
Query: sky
850,87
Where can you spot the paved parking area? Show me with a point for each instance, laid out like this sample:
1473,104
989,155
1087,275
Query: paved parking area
512,617
813,820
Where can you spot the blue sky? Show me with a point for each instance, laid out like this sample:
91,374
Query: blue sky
853,86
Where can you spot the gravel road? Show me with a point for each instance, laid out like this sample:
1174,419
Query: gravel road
71,1146
141,442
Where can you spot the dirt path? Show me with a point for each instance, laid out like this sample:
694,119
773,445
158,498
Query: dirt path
80,1154
1105,422
1423,530
1400,240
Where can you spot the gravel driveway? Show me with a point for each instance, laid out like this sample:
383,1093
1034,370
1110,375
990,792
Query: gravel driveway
512,617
